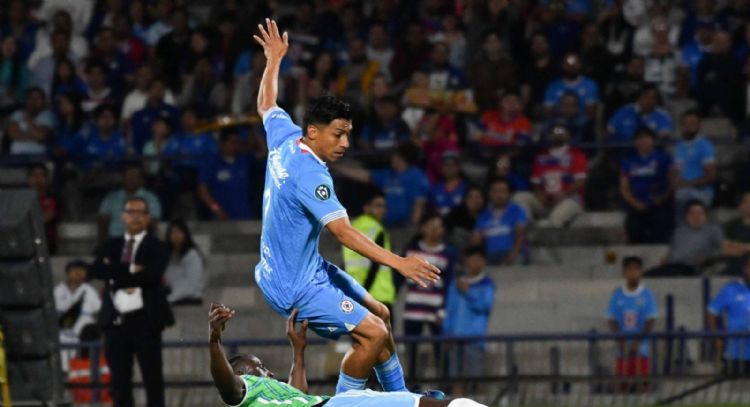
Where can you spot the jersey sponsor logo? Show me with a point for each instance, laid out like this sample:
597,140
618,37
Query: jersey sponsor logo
322,192
278,173
346,306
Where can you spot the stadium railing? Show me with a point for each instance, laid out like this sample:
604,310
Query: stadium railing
576,369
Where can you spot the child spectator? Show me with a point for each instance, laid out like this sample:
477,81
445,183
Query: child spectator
469,302
633,310
76,301
733,303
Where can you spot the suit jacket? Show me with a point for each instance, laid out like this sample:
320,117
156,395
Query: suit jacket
153,256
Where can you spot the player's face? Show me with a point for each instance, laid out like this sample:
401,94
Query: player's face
331,142
632,274
377,208
251,365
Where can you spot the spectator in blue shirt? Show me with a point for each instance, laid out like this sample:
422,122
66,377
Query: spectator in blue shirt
155,107
449,192
501,228
568,114
405,186
469,302
224,180
644,185
733,303
188,148
386,130
645,112
633,310
101,145
573,81
692,53
68,123
695,160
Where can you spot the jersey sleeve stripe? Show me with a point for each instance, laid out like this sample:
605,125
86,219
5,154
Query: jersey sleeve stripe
333,216
270,111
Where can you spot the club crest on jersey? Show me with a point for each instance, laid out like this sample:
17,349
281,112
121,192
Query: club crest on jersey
322,192
347,306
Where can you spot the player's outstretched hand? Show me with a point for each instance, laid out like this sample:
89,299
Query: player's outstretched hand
218,315
419,270
297,337
274,44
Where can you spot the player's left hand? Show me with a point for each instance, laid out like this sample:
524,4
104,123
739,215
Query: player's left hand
218,315
297,337
419,270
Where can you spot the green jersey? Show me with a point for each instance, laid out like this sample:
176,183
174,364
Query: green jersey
264,391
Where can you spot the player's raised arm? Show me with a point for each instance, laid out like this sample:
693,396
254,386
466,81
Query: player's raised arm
412,267
230,386
298,340
274,46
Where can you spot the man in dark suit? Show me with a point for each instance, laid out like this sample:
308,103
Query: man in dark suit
134,309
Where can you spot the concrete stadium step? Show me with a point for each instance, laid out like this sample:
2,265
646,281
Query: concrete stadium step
597,255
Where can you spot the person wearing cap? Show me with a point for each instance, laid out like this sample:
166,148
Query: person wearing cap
644,186
559,176
449,192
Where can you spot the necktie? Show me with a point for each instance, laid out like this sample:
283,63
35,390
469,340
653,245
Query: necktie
127,252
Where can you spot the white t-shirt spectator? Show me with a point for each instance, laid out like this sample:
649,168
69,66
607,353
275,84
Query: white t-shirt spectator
90,304
42,119
136,100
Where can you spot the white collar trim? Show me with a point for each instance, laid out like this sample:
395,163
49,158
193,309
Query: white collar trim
137,238
305,147
629,293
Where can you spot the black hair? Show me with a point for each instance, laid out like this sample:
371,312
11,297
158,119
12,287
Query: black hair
644,131
477,250
78,116
56,80
649,87
233,360
135,199
372,193
629,260
503,180
35,166
77,263
35,89
430,215
225,134
104,108
409,152
324,110
183,227
388,99
694,202
690,112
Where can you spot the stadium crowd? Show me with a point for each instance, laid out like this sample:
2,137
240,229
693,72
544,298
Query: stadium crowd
474,120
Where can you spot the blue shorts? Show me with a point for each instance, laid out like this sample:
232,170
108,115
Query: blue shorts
369,398
334,307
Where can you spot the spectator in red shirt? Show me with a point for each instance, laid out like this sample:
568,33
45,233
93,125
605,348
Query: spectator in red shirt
38,180
558,176
506,125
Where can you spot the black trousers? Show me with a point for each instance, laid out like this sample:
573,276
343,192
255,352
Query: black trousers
134,337
653,225
414,328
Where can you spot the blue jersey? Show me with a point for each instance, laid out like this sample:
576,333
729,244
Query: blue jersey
692,156
227,180
298,201
444,200
734,301
190,150
648,175
402,189
498,229
586,89
628,119
632,310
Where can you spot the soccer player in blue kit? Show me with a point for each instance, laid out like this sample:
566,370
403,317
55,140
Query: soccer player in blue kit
298,202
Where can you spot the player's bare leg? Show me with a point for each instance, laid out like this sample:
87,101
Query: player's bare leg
370,337
388,367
